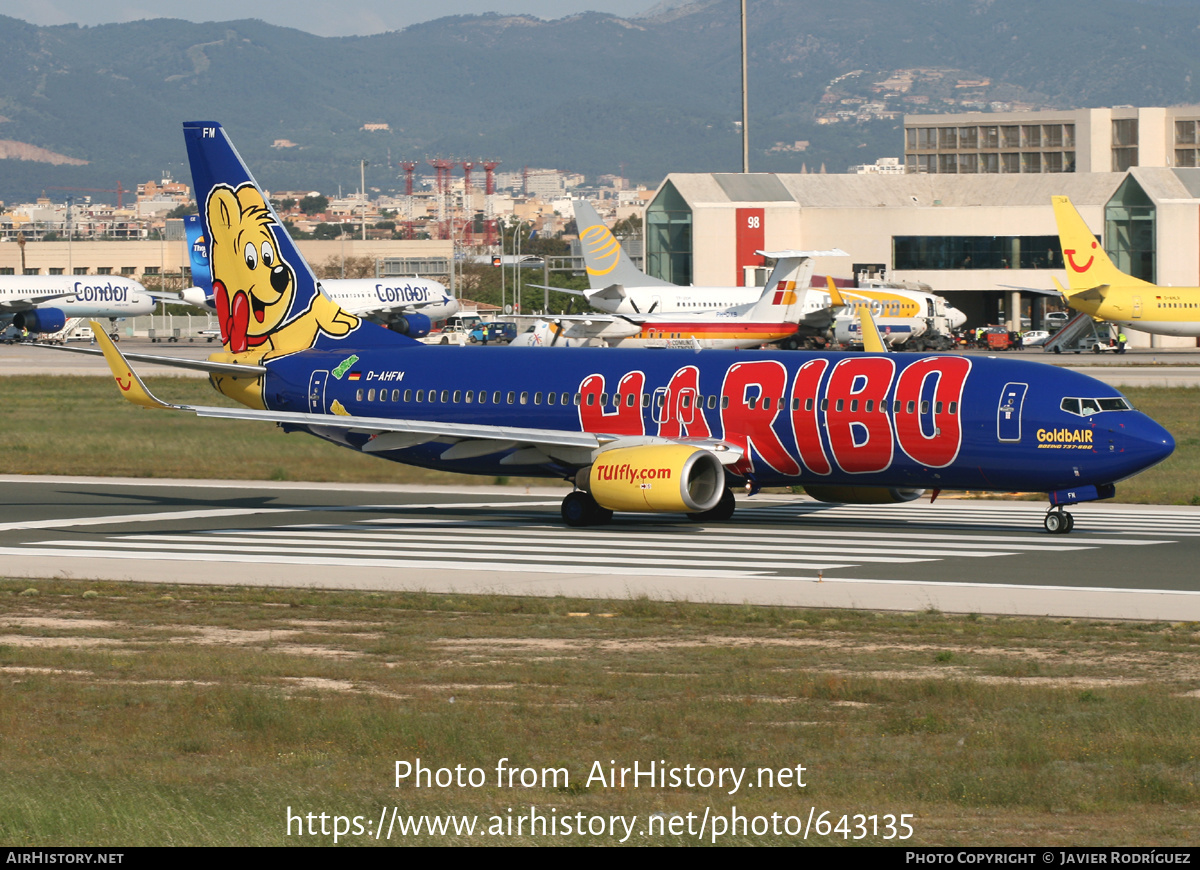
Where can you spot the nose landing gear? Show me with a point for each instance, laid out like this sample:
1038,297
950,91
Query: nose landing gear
1058,521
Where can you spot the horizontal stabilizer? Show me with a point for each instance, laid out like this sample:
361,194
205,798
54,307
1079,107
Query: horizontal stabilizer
781,255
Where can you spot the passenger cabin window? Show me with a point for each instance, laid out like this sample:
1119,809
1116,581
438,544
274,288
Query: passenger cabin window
359,394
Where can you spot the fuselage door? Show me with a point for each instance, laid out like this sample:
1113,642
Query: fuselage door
659,408
686,412
1137,307
316,392
1008,416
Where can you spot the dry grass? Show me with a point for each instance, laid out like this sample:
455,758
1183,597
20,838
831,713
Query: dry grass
189,715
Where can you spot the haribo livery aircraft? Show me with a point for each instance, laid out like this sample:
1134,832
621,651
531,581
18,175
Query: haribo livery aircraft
409,306
44,303
902,314
1097,287
638,430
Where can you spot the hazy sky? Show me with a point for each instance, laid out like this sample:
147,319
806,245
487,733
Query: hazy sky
357,17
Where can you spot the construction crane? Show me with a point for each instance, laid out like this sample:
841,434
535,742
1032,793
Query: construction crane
120,192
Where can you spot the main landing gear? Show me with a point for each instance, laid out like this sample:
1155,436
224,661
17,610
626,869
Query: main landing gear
1058,521
719,513
580,509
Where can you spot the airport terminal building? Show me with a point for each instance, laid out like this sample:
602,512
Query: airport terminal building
974,235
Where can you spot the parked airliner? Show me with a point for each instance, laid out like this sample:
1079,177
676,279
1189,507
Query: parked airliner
44,303
409,306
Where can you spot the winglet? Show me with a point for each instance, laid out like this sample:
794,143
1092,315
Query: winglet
1059,287
127,379
872,342
835,295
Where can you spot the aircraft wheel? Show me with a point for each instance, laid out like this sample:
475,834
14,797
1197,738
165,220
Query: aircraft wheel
580,509
720,513
1058,522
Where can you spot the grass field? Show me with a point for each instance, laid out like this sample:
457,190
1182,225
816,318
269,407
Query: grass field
78,425
140,715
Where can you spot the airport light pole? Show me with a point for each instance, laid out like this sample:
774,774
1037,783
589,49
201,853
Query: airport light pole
362,188
745,100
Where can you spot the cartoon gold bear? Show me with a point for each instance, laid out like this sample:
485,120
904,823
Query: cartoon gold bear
253,288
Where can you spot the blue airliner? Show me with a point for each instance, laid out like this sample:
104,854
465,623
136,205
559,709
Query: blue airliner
638,430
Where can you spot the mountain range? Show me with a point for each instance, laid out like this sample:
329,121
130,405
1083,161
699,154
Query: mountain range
590,93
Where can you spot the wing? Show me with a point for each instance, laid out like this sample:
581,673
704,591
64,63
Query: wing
27,303
463,440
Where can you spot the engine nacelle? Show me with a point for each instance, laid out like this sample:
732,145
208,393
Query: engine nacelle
862,494
196,296
41,320
654,478
412,325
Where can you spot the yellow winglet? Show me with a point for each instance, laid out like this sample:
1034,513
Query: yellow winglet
131,385
1059,287
835,296
872,342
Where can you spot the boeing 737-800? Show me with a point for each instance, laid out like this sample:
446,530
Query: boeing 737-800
1097,287
640,430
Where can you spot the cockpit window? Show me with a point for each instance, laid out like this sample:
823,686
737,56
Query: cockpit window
1088,407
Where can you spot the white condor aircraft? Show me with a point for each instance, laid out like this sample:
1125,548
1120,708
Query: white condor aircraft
44,303
619,287
409,306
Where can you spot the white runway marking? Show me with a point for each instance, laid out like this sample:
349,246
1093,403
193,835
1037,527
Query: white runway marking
515,538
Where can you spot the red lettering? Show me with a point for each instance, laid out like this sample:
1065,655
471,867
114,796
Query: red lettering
806,404
625,418
931,438
755,391
860,432
682,416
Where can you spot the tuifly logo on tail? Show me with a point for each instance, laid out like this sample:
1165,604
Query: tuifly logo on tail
1070,255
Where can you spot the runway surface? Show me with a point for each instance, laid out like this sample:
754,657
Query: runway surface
957,555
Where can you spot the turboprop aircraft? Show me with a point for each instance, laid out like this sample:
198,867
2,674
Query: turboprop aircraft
640,430
1097,287
778,309
905,315
43,303
409,306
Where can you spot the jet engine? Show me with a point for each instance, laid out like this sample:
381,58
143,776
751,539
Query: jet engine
41,320
412,325
655,477
862,494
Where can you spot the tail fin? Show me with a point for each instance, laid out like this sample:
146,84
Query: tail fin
606,262
790,281
265,295
1087,264
783,297
201,292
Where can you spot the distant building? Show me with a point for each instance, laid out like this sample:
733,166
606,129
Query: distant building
1078,140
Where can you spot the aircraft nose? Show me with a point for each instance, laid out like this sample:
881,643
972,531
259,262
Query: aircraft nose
1146,443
